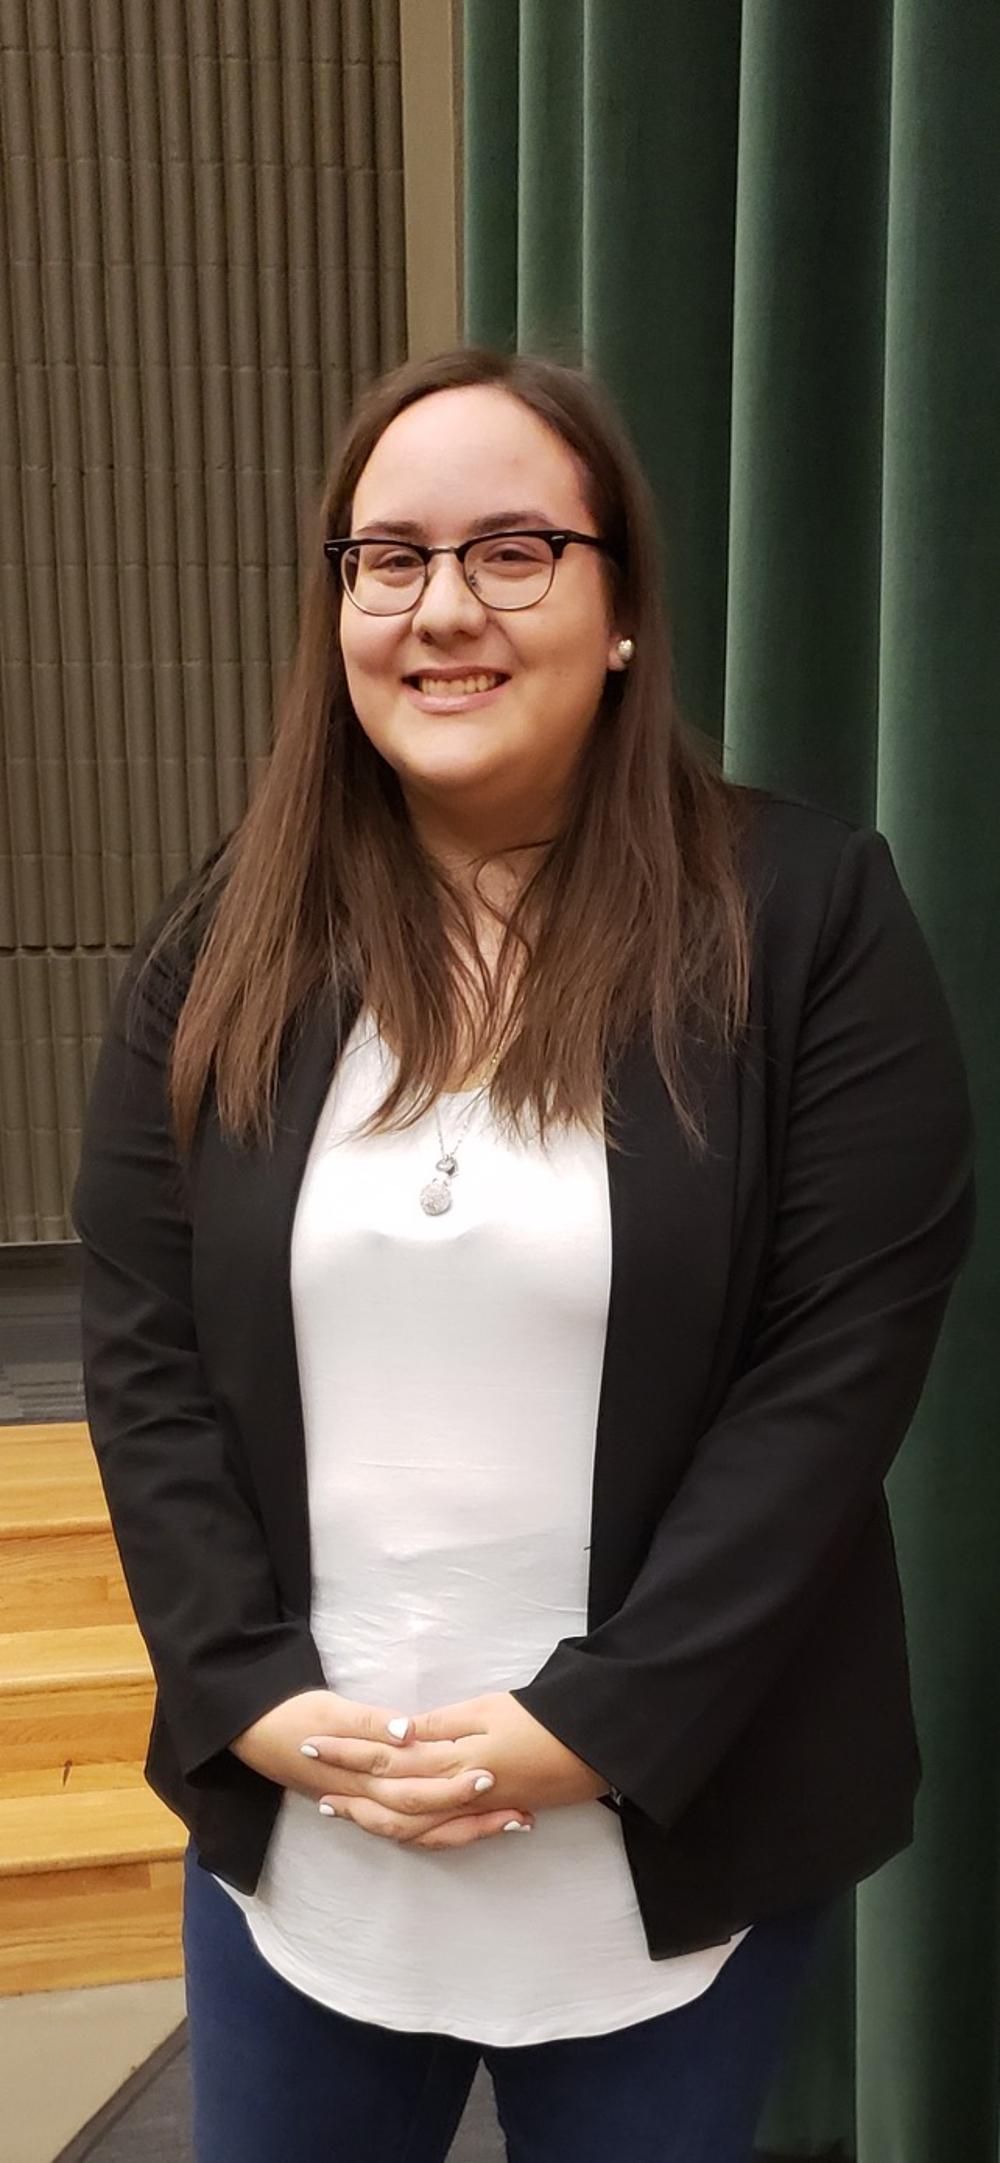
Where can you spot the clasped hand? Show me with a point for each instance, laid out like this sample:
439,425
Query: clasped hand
420,1787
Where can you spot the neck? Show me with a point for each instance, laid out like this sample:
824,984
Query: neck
505,842
498,880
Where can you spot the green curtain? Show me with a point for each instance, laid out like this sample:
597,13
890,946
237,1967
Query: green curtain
774,231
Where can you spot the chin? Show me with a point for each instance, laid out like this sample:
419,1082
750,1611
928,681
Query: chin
441,777
444,764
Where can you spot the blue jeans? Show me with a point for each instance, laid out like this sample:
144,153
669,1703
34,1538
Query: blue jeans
280,2079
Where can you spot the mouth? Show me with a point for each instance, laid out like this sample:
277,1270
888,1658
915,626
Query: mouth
450,693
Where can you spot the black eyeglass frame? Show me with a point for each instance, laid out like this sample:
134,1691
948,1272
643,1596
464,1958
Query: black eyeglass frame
558,538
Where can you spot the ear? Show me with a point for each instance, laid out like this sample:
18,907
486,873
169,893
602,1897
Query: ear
617,659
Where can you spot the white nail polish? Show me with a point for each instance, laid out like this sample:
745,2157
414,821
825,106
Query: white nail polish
484,1781
516,1827
326,1810
399,1728
308,1749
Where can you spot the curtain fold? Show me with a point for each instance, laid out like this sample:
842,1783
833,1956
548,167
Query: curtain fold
772,232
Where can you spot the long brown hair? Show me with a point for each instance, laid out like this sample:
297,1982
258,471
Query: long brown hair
636,914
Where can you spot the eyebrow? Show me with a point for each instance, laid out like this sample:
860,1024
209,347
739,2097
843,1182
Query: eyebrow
408,529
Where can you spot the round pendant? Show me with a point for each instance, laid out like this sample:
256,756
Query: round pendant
436,1199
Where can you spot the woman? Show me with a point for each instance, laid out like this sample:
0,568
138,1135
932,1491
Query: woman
522,1186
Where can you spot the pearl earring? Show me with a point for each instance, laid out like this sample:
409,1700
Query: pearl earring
626,648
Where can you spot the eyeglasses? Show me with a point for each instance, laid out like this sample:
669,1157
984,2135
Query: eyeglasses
503,570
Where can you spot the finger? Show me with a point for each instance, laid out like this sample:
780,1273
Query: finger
462,1831
373,1817
448,1723
384,1760
373,1723
416,1798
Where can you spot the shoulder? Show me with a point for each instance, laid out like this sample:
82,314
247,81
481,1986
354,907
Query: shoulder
158,971
795,846
825,896
787,837
190,901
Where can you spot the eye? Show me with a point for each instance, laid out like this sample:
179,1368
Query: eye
386,559
514,551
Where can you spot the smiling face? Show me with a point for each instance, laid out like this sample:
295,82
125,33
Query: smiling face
489,766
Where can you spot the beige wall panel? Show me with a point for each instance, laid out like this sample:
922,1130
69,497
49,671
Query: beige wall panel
205,261
431,74
18,1211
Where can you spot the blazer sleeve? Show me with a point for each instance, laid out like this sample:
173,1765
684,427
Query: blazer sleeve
874,1218
192,1548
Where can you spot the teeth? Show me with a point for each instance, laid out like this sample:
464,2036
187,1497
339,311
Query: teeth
455,686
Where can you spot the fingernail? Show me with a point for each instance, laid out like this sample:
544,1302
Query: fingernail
398,1728
308,1749
484,1781
326,1810
515,1826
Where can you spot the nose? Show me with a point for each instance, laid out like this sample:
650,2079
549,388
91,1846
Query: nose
447,602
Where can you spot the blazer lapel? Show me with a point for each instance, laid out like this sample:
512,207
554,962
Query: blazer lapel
671,1225
243,1214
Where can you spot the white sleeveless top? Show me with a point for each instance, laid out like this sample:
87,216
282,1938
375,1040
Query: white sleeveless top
450,1370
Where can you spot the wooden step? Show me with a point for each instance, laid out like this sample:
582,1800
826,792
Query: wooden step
90,1869
61,1577
72,1697
70,1779
90,1889
58,1559
48,1473
44,1833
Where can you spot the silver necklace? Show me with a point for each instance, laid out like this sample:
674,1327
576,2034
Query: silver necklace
435,1198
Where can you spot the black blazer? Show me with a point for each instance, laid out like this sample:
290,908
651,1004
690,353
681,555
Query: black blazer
774,1307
